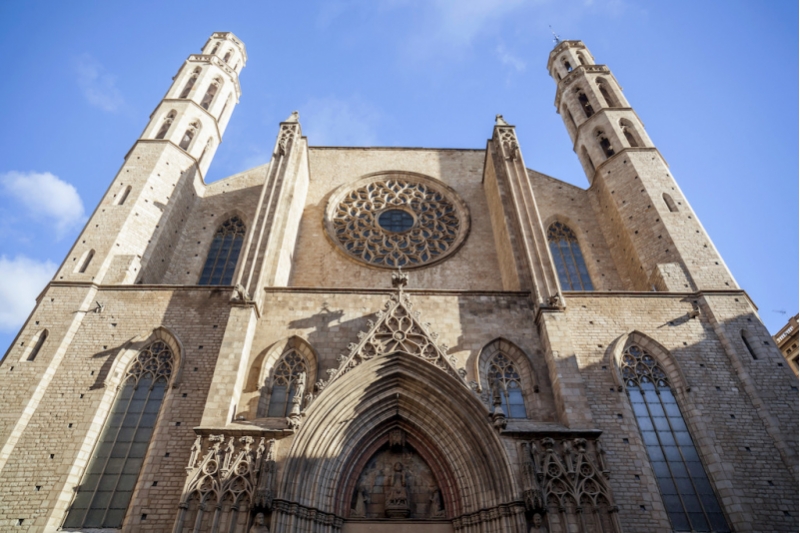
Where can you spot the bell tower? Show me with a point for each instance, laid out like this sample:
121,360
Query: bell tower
136,222
656,239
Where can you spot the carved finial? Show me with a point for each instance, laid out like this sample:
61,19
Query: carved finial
294,117
500,121
399,279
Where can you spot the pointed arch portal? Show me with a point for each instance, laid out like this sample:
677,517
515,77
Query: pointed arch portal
398,404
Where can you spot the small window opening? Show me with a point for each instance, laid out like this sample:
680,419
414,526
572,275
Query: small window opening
162,132
610,101
629,137
190,83
585,105
210,93
605,144
566,112
189,135
581,59
587,158
747,345
124,195
567,66
86,261
227,56
214,50
670,204
38,346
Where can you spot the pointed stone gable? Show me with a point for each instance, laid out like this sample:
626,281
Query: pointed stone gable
397,329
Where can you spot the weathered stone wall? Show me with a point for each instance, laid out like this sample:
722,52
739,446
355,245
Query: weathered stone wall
317,262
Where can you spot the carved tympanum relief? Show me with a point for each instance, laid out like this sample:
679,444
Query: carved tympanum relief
397,483
397,219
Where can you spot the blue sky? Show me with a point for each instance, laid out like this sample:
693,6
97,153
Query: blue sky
715,82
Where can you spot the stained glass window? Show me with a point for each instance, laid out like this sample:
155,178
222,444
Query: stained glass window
568,259
224,253
284,380
503,372
105,491
685,488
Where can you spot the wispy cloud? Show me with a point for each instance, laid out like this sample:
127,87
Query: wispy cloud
509,59
45,196
459,22
336,122
21,281
99,88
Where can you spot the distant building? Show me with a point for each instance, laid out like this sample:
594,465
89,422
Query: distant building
787,340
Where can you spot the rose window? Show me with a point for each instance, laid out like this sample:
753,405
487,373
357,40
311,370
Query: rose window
396,220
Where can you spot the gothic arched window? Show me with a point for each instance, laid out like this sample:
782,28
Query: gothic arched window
105,491
284,383
587,158
186,140
588,110
190,83
610,100
567,66
605,144
214,50
162,132
631,135
210,93
571,121
673,208
568,258
228,56
224,253
748,346
687,493
503,374
37,345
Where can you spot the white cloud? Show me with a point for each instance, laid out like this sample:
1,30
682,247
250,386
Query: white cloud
334,122
44,195
99,88
21,281
460,21
508,59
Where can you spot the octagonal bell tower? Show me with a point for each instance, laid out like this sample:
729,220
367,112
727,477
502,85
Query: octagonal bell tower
656,239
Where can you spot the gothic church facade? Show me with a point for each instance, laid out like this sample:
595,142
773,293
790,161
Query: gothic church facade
389,339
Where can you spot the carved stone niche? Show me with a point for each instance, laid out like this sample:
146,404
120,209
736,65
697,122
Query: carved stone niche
565,485
396,484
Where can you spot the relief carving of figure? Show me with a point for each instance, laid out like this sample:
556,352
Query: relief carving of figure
538,524
258,525
436,504
362,499
397,493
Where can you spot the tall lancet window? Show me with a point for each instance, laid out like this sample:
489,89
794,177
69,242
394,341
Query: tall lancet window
105,491
503,374
687,493
224,253
568,258
285,381
210,93
190,83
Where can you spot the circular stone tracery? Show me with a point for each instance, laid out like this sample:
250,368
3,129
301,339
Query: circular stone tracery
397,219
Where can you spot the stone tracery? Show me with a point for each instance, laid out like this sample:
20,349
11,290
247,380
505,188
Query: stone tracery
356,221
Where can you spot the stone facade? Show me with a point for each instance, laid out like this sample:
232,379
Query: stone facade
311,386
787,339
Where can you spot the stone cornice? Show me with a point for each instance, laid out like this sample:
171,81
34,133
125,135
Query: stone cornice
217,62
229,36
572,76
560,47
201,108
